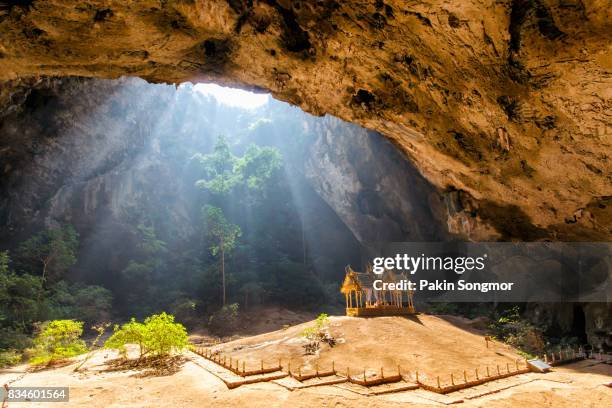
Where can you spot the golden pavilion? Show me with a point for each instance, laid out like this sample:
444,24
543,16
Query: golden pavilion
363,300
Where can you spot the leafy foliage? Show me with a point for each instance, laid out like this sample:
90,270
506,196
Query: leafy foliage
164,335
149,243
515,330
159,335
219,230
317,334
57,340
219,167
316,331
50,252
258,165
19,305
223,236
224,171
9,358
224,319
132,332
90,303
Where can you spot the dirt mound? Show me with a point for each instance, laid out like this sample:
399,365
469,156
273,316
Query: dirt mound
433,345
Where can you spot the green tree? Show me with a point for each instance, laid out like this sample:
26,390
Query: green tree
223,171
149,243
5,260
132,332
257,166
159,335
19,304
143,273
89,303
51,251
223,236
219,169
57,340
164,335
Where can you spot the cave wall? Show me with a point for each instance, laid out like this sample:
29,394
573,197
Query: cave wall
504,103
378,193
81,151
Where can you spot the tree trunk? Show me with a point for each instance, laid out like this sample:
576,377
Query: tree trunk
44,271
223,272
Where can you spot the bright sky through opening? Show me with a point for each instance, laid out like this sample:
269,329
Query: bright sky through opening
233,97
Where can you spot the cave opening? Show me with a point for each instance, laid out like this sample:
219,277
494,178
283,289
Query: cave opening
130,170
578,329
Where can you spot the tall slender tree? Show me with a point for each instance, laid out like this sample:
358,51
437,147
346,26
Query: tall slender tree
223,236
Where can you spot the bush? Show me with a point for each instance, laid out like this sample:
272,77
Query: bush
163,335
14,338
90,304
159,335
185,310
317,334
511,328
224,319
130,333
9,358
57,340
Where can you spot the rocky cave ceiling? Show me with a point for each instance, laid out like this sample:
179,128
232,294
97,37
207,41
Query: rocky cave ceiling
506,103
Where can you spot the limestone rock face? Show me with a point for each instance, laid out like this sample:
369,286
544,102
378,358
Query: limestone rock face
503,105
73,151
377,193
380,195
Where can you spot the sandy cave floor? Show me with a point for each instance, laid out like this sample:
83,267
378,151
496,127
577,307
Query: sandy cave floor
580,384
